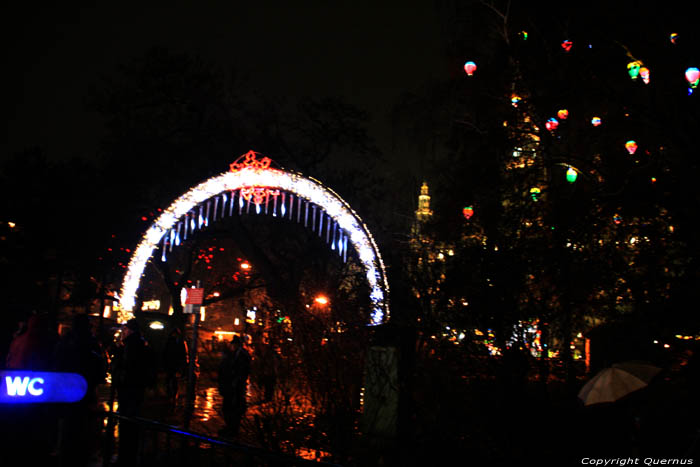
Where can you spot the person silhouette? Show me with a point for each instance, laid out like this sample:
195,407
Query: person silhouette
233,383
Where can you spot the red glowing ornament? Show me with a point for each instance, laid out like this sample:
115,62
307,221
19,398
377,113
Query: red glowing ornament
644,73
552,124
566,45
249,161
631,146
470,68
468,212
563,114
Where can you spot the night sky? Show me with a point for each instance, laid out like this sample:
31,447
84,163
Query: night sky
367,54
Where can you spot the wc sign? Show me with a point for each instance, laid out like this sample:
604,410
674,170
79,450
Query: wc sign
30,387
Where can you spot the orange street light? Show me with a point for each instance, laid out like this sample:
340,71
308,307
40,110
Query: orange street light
245,265
321,300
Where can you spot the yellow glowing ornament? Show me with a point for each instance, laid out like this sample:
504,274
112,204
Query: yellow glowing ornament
535,193
515,100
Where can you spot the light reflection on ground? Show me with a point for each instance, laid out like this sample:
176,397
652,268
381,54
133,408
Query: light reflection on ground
207,418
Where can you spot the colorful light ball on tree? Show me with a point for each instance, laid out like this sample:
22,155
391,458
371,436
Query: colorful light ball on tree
692,75
633,68
523,35
596,121
644,74
535,193
566,45
470,68
571,175
631,146
552,124
563,114
468,212
617,219
674,38
515,100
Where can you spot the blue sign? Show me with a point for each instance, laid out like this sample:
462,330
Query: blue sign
30,387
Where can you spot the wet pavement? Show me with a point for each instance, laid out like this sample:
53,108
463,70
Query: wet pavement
207,419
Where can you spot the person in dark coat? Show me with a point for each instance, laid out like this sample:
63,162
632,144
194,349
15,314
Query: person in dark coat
31,429
132,372
233,383
80,352
34,348
174,362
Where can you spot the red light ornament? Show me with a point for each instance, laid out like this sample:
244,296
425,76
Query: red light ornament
468,212
566,45
470,68
644,73
563,114
552,124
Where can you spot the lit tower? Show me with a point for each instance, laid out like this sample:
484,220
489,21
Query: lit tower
423,213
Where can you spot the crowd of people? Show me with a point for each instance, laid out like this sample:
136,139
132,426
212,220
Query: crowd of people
70,433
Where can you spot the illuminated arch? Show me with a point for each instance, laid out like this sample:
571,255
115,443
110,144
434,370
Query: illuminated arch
249,174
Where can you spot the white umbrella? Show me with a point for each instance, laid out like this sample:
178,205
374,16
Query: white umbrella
614,383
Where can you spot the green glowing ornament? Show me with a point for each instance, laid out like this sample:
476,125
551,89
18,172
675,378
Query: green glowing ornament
571,175
633,68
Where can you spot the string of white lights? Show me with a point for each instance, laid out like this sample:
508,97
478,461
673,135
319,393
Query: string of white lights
307,188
